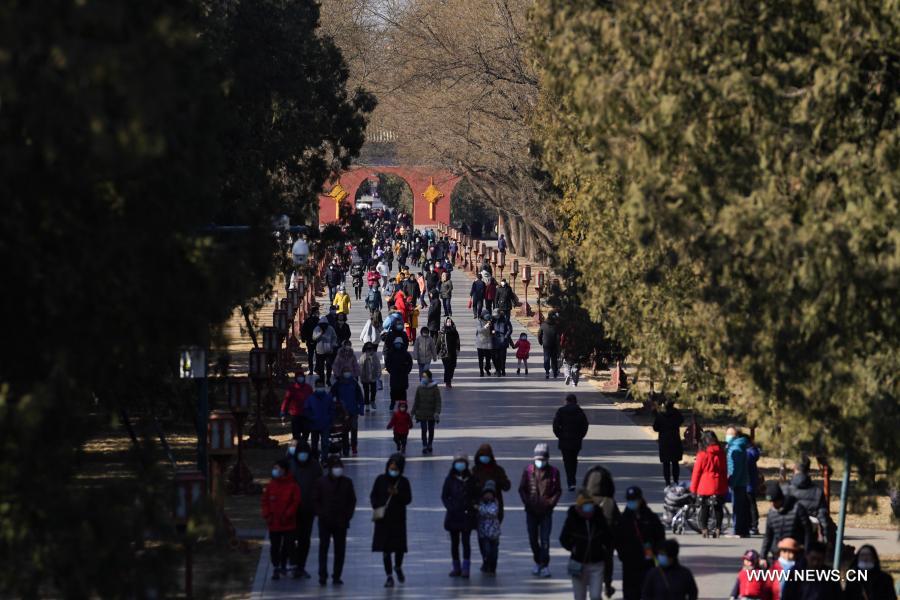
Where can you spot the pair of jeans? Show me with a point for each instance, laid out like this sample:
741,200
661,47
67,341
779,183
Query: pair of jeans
539,527
489,305
551,361
754,511
370,392
741,509
716,502
477,307
320,438
490,550
303,535
464,537
484,360
570,461
354,430
323,366
332,290
427,432
590,584
449,367
280,543
500,360
339,535
448,310
397,563
670,471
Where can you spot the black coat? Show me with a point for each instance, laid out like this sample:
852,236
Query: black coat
666,424
588,540
335,501
669,583
306,475
459,496
636,528
810,496
570,425
477,292
448,345
343,333
434,315
334,276
791,520
390,532
548,336
879,585
504,299
398,363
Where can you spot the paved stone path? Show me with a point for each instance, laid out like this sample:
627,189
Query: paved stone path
512,414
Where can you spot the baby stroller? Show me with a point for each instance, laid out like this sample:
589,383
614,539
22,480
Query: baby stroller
339,436
689,516
572,371
677,496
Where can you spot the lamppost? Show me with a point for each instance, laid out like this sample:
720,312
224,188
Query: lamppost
539,288
493,254
271,344
221,449
190,488
193,365
526,279
240,480
259,433
515,273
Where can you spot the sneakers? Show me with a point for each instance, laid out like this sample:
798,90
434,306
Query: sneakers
544,572
536,570
301,574
546,375
390,582
400,576
456,571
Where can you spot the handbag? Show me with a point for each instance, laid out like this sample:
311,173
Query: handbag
378,512
470,303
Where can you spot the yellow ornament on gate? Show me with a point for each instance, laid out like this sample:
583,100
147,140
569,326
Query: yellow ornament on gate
432,195
339,194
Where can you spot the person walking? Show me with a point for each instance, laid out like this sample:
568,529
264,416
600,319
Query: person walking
476,296
811,497
319,412
326,343
280,500
540,490
370,374
523,350
669,580
459,501
589,540
384,271
356,275
427,410
813,588
434,314
878,583
485,468
401,423
398,363
484,343
501,248
505,298
709,481
306,471
345,360
424,350
489,527
306,335
736,451
448,347
490,294
391,494
335,502
751,580
502,340
347,392
753,491
598,483
446,293
294,405
570,426
334,277
667,422
548,337
787,518
639,536
341,331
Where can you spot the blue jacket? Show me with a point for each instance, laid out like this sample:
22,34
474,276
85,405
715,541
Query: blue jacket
320,411
737,462
348,393
752,470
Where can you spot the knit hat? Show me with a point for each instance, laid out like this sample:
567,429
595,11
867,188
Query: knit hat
460,455
774,491
541,451
752,556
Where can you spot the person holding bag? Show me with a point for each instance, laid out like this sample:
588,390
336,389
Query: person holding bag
391,494
588,538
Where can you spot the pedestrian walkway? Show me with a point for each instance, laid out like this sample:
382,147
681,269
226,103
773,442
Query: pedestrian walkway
512,414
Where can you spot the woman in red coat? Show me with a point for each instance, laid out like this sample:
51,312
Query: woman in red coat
280,500
709,481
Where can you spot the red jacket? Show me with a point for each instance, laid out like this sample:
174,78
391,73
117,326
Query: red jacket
710,476
523,348
757,588
490,292
400,422
372,277
280,500
295,399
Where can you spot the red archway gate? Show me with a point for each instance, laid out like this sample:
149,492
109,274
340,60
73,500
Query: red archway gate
431,190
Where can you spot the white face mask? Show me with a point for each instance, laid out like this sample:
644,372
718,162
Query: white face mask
865,565
337,471
539,463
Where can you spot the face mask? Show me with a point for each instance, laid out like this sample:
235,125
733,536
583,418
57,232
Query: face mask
394,473
347,375
276,472
337,471
663,560
539,463
424,381
865,565
631,504
587,509
300,379
728,439
786,564
484,459
291,450
459,466
303,456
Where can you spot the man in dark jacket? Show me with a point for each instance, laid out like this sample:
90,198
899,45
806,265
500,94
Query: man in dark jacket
810,495
786,519
548,337
398,363
335,501
477,295
670,580
334,277
814,588
639,536
505,298
667,422
306,334
306,471
539,490
348,392
570,425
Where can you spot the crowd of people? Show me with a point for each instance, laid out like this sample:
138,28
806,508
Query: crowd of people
325,402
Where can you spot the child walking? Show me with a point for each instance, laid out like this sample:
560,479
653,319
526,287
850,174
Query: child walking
280,500
489,527
401,423
523,349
